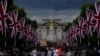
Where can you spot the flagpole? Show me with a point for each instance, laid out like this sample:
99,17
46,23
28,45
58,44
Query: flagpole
80,40
88,42
76,42
5,44
98,42
15,42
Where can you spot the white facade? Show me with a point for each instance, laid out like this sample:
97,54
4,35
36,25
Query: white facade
44,33
59,33
50,34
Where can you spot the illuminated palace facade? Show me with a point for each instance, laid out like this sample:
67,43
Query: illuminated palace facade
51,30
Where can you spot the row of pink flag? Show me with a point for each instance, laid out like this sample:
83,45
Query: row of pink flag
86,26
16,26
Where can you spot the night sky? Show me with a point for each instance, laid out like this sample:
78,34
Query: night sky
67,10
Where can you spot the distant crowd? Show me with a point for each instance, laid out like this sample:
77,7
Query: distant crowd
50,51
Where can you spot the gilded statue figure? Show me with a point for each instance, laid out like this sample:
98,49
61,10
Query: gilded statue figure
51,24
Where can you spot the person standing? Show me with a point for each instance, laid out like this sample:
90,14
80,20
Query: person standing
55,52
49,53
59,51
98,52
34,52
68,53
95,52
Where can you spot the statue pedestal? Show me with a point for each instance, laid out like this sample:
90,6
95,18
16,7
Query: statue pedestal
51,37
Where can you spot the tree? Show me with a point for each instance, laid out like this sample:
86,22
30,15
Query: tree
34,24
67,26
85,7
22,13
75,21
27,20
12,7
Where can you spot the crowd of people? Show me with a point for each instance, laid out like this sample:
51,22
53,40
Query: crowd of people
31,51
93,51
15,51
49,51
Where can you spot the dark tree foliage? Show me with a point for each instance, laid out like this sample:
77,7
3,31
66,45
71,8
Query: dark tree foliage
85,7
67,26
92,39
8,39
34,24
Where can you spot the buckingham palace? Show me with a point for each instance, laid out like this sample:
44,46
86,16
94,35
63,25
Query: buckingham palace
51,30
